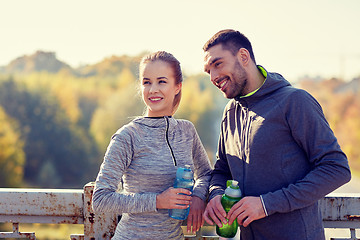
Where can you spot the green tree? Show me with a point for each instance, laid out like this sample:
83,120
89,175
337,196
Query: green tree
119,109
126,79
50,137
12,157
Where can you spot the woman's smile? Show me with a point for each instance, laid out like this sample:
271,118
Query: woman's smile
155,99
159,88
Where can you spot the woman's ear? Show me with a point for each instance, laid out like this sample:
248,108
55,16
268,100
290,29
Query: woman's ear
178,88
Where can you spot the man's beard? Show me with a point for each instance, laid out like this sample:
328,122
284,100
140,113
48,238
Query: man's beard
240,81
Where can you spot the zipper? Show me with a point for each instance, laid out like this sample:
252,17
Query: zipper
167,140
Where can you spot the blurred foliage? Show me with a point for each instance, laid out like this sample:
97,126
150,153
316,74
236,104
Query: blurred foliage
55,149
55,126
66,119
12,156
46,231
119,109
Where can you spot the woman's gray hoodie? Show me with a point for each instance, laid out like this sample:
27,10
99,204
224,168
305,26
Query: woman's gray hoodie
139,155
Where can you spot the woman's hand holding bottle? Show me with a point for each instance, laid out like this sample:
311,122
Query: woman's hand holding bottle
174,198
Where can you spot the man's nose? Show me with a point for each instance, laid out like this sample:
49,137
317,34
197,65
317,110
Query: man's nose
214,76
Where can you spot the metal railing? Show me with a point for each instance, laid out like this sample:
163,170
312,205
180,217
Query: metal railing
59,206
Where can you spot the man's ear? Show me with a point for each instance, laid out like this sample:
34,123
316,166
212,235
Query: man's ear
243,57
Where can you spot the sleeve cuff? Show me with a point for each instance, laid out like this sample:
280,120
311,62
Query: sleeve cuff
263,204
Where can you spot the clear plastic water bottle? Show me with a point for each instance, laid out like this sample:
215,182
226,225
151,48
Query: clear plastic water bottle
232,195
184,179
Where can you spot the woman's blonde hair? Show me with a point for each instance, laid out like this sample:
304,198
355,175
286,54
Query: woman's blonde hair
175,65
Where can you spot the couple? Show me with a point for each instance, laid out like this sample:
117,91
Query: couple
274,140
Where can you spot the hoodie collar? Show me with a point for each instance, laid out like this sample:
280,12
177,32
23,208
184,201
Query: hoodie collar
264,73
156,122
272,82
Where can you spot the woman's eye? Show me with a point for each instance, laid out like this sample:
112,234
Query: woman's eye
162,81
217,64
146,82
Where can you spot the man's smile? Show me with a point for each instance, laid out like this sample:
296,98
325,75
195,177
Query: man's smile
221,84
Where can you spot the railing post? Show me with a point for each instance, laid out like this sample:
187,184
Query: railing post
99,225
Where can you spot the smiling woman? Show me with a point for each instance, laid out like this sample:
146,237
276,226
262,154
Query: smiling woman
144,155
161,78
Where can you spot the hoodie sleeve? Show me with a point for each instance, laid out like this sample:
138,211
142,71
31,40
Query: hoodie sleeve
202,168
330,167
106,198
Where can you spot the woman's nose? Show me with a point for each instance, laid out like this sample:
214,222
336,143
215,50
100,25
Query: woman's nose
154,88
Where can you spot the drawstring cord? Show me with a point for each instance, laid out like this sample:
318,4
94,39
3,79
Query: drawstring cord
167,140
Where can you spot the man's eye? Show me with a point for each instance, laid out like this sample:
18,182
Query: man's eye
217,64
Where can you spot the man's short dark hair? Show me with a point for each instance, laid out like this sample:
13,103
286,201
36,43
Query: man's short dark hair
230,40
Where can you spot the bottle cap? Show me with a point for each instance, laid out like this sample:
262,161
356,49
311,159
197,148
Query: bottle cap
184,172
233,190
234,184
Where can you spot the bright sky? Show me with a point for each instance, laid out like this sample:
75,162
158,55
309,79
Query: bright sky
294,38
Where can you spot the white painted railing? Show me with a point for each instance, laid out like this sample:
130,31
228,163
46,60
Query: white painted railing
61,206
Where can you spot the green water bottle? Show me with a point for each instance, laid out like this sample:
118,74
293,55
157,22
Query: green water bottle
232,195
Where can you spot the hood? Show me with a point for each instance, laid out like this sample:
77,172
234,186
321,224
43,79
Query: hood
273,82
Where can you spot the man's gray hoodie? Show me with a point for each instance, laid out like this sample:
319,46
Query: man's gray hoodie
278,145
